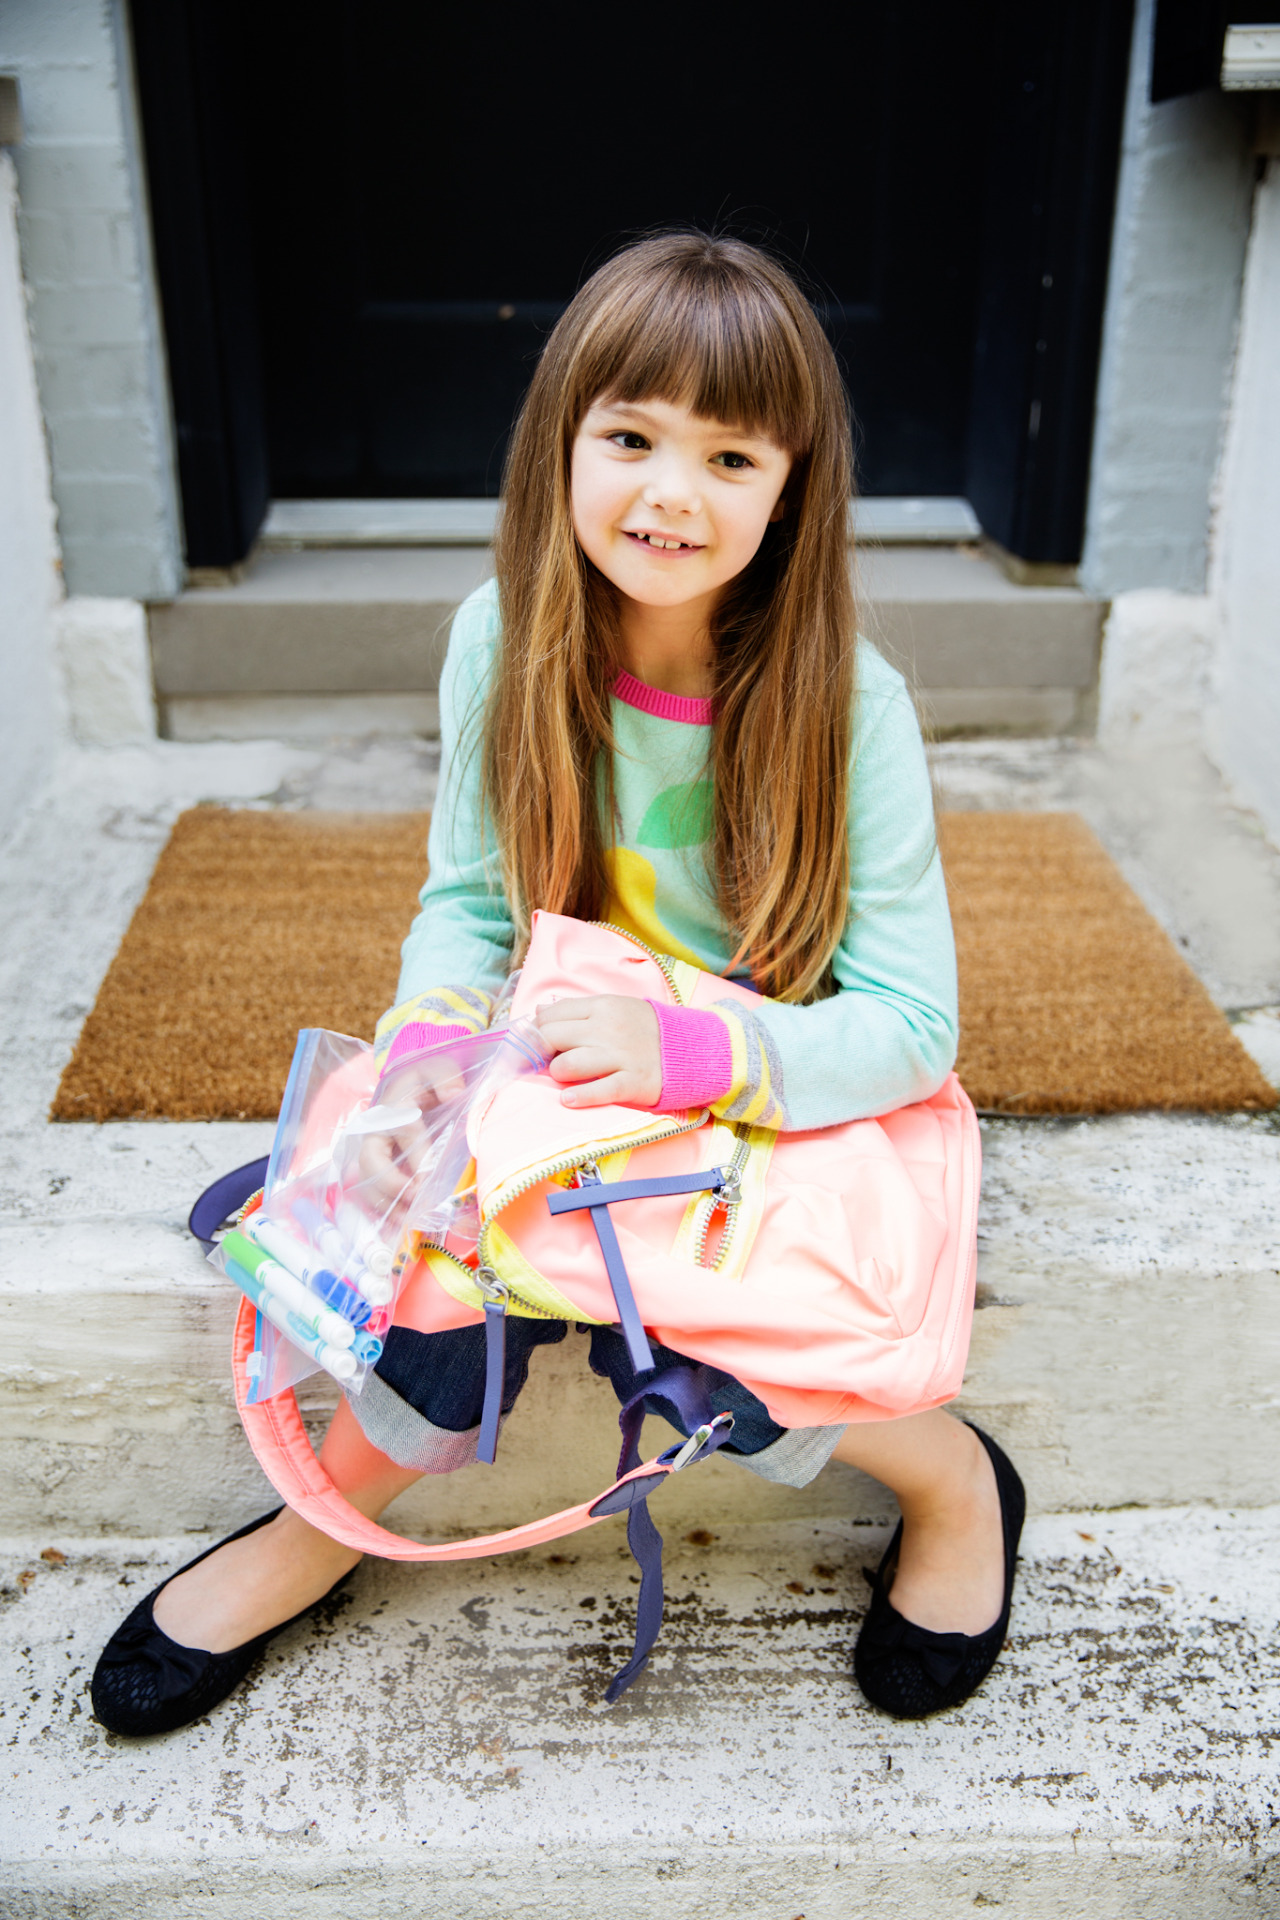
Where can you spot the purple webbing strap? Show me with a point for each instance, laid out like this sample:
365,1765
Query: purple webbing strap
225,1197
628,1312
573,1199
687,1389
495,1368
596,1194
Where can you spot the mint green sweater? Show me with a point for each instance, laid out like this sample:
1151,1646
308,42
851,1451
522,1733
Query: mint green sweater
886,1037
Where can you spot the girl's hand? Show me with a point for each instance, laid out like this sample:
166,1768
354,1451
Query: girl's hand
607,1050
390,1160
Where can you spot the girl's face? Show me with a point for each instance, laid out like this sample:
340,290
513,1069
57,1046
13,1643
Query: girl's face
669,506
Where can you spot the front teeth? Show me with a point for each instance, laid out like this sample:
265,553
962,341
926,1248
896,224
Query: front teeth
654,541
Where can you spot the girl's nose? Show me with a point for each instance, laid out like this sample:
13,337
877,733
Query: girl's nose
672,488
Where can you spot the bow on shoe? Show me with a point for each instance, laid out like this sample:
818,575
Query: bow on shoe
941,1655
139,1642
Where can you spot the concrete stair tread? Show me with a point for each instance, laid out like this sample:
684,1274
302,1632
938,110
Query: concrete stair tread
374,620
440,572
953,573
461,1708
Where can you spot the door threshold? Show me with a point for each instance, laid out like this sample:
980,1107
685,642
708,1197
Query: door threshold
883,520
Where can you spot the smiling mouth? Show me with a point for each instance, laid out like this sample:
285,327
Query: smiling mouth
662,542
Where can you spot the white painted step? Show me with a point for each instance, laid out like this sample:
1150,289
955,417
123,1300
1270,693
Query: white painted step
1125,1350
438,1744
290,524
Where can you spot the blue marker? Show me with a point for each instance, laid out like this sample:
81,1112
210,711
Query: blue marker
299,1260
348,1257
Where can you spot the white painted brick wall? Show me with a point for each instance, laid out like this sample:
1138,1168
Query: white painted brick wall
1244,721
29,585
94,312
1173,301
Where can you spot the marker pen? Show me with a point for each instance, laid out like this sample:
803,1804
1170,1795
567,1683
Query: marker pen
322,1320
343,1366
377,1288
302,1263
363,1236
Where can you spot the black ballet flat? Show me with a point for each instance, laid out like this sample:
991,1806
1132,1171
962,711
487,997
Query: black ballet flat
146,1683
910,1672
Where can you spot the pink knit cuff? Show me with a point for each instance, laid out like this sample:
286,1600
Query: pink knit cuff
420,1033
697,1057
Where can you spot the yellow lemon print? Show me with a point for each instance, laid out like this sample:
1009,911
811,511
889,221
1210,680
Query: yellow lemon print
633,889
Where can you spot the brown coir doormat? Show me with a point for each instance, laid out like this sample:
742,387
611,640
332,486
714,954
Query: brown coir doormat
1072,998
256,924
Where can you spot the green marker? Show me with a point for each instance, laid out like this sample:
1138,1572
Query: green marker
321,1320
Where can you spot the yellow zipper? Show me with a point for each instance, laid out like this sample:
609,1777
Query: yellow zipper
567,1163
471,1276
573,1162
662,960
712,1205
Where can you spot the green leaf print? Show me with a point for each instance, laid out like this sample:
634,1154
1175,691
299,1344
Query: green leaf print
679,817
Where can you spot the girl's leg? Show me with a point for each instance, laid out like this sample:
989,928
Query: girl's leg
950,1575
256,1583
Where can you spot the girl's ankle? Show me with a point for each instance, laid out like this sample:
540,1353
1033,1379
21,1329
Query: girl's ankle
963,1490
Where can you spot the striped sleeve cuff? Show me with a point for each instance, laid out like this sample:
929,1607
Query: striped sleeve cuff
442,1013
754,1095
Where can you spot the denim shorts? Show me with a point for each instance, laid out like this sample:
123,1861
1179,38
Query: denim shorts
421,1406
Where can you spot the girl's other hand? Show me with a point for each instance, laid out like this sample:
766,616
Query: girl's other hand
607,1050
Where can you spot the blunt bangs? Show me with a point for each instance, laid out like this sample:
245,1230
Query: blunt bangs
679,319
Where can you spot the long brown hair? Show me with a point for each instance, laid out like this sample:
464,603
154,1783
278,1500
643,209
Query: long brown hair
718,326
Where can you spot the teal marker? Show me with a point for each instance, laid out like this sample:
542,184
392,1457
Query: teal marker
341,1363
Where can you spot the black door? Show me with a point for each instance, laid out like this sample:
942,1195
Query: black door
486,158
368,216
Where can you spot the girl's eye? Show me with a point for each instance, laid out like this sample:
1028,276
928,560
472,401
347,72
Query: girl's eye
630,442
734,461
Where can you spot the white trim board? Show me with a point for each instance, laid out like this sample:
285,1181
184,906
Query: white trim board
891,521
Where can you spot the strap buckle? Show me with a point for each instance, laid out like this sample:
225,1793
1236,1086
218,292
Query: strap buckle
698,1439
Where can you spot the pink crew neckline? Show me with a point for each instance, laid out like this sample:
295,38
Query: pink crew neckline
692,711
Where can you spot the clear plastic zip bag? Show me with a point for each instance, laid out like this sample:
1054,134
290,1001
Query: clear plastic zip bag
360,1166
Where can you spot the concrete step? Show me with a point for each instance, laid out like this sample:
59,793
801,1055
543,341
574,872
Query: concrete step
437,1742
1125,1349
984,653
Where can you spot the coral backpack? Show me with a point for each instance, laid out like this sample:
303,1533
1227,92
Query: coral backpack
830,1271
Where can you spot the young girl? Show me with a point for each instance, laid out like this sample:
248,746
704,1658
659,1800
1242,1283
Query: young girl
659,715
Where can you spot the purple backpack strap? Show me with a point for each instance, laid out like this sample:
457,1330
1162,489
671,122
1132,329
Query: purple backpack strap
687,1390
226,1196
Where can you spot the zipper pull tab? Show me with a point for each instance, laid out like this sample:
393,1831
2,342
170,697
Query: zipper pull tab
496,1292
729,1192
